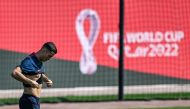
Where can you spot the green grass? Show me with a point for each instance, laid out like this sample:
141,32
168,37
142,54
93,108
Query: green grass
158,96
8,101
129,97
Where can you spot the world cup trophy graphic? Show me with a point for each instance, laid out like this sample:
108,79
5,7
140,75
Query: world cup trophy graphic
87,63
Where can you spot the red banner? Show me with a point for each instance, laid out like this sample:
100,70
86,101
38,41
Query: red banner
156,37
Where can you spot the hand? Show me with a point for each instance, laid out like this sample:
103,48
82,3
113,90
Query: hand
49,83
34,84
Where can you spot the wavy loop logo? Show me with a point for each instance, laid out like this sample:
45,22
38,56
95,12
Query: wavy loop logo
88,63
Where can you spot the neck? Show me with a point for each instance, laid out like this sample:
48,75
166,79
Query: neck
38,55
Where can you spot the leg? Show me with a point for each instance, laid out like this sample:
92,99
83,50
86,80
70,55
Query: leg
29,102
24,103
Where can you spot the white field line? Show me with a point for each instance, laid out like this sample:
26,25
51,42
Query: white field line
105,90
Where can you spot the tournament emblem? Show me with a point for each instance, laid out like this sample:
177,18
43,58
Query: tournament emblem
88,64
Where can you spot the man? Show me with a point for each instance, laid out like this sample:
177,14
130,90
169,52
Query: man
31,73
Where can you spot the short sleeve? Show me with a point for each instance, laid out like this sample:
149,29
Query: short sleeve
27,67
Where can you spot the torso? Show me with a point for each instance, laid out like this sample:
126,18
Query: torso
32,68
33,91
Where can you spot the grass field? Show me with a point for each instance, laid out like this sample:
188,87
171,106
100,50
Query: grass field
129,97
155,104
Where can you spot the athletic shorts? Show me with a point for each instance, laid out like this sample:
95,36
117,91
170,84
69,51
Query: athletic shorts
29,102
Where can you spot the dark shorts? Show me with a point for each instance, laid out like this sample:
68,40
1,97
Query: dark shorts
29,102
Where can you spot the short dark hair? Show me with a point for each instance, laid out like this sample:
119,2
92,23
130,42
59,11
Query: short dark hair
50,46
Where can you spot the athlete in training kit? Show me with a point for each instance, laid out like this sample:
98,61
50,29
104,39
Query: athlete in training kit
31,73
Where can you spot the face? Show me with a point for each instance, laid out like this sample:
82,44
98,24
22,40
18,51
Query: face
46,55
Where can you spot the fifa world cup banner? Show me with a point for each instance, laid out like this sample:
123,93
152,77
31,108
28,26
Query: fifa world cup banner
156,33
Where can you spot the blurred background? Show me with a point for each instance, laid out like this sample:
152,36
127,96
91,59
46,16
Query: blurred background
156,48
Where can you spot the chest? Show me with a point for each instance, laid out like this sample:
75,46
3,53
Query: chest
34,77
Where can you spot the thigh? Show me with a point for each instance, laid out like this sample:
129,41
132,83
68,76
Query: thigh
24,103
29,103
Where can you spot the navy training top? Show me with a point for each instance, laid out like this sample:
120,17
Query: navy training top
32,66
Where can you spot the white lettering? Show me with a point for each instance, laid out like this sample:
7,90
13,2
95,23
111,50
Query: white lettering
145,44
158,37
179,35
131,37
110,37
169,37
113,51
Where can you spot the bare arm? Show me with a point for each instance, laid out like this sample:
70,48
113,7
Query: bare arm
47,80
17,74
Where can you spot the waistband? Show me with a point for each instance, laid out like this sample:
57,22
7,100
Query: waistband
28,95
